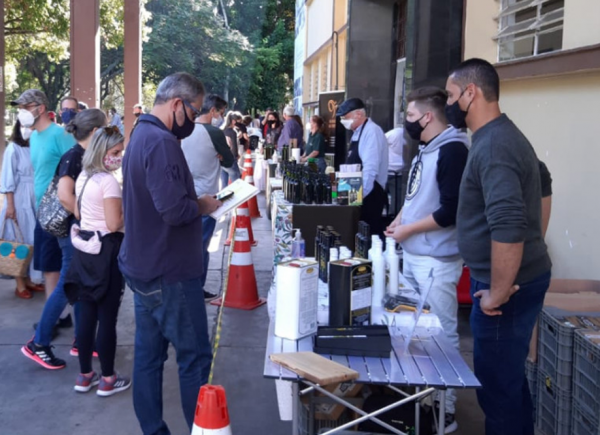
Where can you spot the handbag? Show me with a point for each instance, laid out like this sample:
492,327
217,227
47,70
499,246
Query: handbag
89,242
51,214
15,256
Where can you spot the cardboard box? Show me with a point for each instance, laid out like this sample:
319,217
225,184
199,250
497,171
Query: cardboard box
570,295
333,411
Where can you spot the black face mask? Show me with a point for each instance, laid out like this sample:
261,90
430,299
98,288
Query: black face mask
137,114
455,115
182,131
414,128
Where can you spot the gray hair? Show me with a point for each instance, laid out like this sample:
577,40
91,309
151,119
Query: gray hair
85,122
104,139
179,85
289,111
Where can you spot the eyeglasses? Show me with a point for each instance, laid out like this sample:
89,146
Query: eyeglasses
111,129
195,111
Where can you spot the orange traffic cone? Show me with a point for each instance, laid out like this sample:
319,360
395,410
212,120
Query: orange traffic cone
242,291
247,165
212,416
242,210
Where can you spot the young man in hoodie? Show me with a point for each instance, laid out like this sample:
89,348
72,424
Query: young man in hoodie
426,225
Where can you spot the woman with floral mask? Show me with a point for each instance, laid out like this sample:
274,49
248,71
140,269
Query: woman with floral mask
16,184
94,279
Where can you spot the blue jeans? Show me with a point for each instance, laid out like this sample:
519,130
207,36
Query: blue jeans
230,174
501,345
175,313
208,228
57,301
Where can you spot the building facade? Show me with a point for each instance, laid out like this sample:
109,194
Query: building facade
547,53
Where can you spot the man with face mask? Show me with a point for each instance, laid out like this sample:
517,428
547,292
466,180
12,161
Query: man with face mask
500,237
161,254
426,225
138,110
48,142
206,151
369,148
69,106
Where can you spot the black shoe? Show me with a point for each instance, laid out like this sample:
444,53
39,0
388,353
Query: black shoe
67,322
43,355
55,331
209,296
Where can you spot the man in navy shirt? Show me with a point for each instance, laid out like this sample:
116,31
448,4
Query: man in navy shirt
161,255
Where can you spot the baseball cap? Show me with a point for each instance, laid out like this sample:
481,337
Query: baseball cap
31,96
350,105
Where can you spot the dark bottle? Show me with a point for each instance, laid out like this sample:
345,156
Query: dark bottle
322,255
329,192
367,240
317,241
285,153
318,186
358,249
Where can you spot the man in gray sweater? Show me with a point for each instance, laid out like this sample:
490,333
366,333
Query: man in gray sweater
500,238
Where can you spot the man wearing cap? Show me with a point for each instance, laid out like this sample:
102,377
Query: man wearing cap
369,148
47,143
138,110
291,129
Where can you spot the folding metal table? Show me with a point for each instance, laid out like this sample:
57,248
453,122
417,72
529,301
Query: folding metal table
432,364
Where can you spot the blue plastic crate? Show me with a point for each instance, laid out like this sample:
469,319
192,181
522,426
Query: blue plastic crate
555,345
586,373
584,424
553,407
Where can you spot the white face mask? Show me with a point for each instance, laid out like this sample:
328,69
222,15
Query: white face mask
26,133
217,122
347,123
26,118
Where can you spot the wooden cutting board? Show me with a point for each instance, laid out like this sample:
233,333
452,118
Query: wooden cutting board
315,368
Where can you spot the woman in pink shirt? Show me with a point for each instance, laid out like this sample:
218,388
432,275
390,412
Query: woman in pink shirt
94,279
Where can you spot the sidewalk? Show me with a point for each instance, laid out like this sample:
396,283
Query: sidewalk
35,401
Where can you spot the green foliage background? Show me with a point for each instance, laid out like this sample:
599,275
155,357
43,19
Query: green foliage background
241,49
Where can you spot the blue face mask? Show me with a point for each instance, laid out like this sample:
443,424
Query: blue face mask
68,115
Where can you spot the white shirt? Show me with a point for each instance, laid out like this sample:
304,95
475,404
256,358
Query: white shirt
373,152
203,160
396,144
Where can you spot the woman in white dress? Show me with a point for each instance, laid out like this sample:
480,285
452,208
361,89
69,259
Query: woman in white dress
16,183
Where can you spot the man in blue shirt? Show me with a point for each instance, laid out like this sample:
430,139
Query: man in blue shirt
369,148
292,129
161,255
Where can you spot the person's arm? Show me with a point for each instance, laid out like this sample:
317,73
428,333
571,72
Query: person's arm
113,214
220,143
505,213
207,204
369,154
165,180
546,182
66,193
9,164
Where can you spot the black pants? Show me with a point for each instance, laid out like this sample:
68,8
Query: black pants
103,314
372,209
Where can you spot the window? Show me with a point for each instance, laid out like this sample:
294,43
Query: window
529,28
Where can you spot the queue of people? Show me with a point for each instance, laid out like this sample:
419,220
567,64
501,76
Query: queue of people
483,202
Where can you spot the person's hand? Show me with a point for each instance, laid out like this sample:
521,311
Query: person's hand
391,227
490,303
399,233
208,204
11,212
220,157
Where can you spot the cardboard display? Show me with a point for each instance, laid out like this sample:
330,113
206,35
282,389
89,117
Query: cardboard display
569,295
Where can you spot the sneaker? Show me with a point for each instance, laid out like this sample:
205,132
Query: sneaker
119,383
209,296
67,322
75,352
42,355
449,421
85,383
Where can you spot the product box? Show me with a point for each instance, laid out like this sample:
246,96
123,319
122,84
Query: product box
350,291
333,411
349,189
569,295
297,292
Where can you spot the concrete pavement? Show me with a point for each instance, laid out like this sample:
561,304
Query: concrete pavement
37,401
